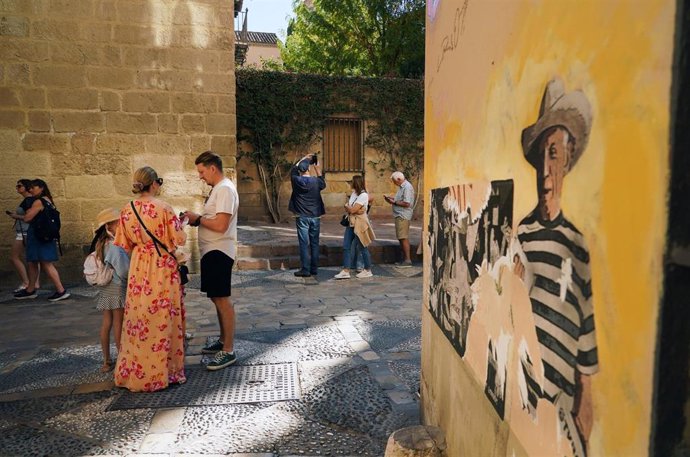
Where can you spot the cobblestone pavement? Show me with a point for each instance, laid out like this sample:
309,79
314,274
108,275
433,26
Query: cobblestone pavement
355,344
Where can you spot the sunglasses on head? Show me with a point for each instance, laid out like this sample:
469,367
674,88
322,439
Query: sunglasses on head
159,181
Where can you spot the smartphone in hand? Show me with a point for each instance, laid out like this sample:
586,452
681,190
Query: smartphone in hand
8,212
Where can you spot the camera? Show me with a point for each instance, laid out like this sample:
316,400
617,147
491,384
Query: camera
314,159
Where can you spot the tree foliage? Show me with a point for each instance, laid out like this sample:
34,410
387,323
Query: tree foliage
278,113
357,38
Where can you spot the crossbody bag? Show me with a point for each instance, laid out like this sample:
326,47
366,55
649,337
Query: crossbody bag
182,269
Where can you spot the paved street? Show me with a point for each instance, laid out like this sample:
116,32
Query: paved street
353,347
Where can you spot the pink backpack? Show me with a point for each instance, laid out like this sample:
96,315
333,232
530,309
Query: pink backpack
96,272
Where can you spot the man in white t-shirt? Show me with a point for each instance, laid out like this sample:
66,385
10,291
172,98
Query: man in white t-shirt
218,246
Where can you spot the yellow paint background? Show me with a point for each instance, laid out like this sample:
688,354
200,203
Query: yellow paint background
486,91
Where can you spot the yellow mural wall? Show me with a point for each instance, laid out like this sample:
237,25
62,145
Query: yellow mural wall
487,65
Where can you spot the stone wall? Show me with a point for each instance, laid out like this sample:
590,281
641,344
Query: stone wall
337,188
90,90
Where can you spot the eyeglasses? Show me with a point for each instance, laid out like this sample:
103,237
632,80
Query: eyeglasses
159,181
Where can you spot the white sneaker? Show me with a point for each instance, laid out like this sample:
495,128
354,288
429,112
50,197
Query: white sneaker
342,275
365,274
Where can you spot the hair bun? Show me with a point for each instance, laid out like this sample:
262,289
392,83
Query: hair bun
137,187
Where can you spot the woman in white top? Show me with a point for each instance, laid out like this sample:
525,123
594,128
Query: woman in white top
356,207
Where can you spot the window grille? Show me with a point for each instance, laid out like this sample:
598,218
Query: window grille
342,145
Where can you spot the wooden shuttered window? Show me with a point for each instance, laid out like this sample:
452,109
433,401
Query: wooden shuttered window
342,145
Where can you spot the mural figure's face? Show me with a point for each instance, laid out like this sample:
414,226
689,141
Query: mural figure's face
553,159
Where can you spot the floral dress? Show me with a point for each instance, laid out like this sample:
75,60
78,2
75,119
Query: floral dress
152,347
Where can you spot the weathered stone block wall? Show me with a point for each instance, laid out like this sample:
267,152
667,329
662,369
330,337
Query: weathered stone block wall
90,90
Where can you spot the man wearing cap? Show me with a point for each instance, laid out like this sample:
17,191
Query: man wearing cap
554,259
307,205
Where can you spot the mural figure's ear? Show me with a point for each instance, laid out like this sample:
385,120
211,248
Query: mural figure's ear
570,147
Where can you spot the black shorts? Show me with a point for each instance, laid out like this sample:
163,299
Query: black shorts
216,274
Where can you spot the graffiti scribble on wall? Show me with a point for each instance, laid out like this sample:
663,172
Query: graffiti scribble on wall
517,304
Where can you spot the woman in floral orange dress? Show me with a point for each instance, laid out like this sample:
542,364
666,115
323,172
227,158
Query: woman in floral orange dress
152,346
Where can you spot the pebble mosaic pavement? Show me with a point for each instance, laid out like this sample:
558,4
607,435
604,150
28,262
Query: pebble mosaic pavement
356,345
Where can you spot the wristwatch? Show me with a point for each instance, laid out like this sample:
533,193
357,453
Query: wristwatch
197,222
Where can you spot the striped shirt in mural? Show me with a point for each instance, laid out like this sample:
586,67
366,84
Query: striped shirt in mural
561,296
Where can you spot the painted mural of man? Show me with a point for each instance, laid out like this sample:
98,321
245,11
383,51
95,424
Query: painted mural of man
554,262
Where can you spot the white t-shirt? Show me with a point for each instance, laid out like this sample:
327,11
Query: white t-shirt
362,199
223,199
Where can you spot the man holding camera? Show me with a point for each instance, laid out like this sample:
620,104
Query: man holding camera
307,205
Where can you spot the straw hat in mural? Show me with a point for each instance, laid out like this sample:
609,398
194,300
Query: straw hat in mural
560,108
105,216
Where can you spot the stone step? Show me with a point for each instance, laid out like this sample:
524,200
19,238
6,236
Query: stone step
267,250
265,258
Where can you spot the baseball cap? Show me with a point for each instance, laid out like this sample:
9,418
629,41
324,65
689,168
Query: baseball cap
303,166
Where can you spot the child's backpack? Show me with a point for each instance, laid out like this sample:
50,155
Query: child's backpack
46,224
96,272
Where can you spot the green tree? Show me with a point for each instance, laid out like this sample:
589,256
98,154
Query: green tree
357,38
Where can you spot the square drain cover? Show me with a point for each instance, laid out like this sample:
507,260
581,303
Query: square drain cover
237,384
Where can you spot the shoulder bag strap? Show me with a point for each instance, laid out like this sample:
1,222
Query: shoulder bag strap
156,241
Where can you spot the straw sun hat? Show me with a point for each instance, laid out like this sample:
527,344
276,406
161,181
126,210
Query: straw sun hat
105,216
560,108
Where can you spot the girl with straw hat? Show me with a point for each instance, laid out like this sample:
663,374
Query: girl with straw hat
111,296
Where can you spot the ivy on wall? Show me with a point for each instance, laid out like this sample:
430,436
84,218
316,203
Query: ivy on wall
279,112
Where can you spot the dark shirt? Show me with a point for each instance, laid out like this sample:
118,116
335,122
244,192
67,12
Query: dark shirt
21,226
306,194
26,203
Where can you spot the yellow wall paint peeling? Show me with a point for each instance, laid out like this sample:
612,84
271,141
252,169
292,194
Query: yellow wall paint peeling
487,65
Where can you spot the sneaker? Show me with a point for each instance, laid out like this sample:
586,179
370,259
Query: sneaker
404,264
57,296
212,348
18,289
221,360
302,274
23,294
365,274
342,275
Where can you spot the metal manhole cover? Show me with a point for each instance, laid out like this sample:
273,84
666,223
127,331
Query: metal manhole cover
238,384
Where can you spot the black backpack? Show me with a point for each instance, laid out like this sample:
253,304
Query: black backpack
46,224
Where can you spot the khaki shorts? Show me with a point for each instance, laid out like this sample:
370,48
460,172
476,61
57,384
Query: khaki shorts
402,228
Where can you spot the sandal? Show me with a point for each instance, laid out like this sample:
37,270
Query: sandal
107,366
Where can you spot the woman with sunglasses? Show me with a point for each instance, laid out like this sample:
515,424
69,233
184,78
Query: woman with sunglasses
40,253
151,352
20,229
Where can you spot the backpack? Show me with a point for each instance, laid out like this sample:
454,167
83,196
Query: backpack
96,272
46,224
